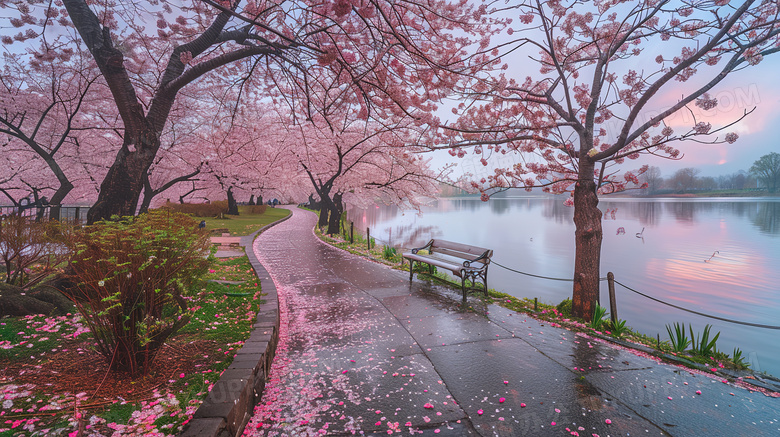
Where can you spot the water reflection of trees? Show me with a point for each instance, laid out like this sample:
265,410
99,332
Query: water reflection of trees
684,211
764,215
555,209
408,236
646,213
767,217
468,204
373,215
499,206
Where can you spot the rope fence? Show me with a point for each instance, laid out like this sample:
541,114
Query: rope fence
723,319
698,313
537,276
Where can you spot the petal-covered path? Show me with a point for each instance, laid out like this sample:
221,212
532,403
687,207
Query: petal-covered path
363,351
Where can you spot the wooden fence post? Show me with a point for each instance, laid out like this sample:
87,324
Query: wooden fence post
612,301
351,232
76,216
368,237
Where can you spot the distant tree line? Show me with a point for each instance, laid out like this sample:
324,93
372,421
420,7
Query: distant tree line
764,174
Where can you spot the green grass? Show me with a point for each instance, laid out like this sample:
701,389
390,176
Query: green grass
244,223
36,343
224,319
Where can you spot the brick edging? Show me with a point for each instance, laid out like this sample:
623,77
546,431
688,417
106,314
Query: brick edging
229,405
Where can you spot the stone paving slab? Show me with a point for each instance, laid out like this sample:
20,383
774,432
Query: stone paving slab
226,241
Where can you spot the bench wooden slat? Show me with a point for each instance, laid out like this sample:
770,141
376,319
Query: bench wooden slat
460,247
438,262
460,255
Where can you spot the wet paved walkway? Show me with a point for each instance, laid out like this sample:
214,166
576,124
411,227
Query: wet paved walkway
363,351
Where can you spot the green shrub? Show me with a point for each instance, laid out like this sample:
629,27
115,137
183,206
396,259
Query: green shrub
389,253
739,359
256,209
212,209
703,346
129,278
564,308
618,327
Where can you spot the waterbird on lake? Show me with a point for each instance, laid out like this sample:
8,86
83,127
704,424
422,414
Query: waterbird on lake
712,256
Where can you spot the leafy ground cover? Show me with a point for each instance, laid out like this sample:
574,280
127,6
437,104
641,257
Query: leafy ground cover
245,223
54,382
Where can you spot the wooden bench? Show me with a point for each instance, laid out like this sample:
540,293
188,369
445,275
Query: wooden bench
464,261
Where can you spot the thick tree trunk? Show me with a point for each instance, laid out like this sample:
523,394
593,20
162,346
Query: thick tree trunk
588,236
334,222
123,183
323,215
58,197
122,186
149,194
232,205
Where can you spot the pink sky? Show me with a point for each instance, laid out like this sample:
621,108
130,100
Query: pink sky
740,92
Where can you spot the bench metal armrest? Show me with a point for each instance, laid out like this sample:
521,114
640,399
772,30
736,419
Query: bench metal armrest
426,247
484,259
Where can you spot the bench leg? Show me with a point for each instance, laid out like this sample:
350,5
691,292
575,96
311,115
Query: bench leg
485,281
463,287
411,270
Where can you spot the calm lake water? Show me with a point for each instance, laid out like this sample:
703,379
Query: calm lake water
715,256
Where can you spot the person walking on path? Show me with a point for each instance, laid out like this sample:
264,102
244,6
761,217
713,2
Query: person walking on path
364,351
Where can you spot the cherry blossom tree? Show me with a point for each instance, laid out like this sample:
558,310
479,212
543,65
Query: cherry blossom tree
183,151
243,152
15,161
605,69
391,56
41,96
359,162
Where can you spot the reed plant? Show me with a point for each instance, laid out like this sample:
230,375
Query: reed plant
677,337
599,313
702,345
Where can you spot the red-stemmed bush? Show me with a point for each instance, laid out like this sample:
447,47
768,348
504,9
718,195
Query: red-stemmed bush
129,279
30,251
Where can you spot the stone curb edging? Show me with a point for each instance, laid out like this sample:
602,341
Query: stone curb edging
228,406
